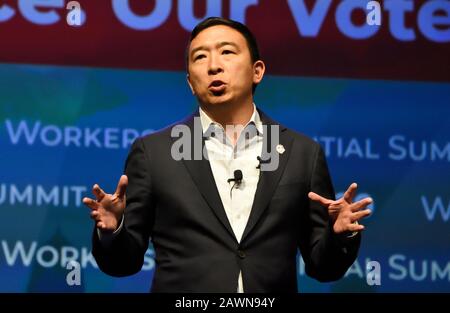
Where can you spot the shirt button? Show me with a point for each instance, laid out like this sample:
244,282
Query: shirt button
238,216
241,254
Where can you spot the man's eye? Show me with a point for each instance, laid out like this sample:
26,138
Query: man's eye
198,57
227,52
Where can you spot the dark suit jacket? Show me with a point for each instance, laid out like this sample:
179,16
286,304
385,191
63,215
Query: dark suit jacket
177,204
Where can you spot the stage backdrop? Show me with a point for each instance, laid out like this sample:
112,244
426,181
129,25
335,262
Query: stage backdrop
73,99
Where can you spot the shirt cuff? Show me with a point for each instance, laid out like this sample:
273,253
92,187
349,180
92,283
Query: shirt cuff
353,234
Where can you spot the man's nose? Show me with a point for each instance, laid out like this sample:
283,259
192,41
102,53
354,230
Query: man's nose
215,65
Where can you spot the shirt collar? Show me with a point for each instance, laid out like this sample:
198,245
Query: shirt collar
207,122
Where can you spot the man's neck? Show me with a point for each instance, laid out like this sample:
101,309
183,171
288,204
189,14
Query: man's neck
230,114
232,117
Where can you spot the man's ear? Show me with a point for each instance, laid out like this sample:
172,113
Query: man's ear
259,68
188,78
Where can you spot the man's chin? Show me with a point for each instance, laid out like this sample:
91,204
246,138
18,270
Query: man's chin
219,99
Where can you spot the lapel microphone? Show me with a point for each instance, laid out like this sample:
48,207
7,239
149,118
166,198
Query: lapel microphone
237,177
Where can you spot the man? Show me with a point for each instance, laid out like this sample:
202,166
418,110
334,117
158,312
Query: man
223,224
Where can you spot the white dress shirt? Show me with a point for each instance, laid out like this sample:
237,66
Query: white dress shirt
224,159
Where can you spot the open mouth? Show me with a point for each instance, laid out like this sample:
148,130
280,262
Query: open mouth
217,87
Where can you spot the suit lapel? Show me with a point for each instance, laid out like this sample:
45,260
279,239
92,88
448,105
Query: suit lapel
268,180
200,171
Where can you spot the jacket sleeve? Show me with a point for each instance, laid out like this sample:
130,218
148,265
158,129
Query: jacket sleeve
124,255
327,256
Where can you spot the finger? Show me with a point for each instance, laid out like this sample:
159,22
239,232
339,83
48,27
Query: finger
355,227
323,201
122,186
91,203
95,215
335,207
361,204
360,214
98,192
350,193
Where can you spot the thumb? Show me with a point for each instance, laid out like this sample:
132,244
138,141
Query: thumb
350,193
315,197
122,186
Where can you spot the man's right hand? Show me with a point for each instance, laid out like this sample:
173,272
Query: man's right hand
107,209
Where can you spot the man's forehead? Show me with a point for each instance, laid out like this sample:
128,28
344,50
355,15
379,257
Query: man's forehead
217,35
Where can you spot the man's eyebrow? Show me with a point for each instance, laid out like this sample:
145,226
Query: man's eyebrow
227,43
197,49
219,45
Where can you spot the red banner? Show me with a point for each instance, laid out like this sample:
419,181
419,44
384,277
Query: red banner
296,37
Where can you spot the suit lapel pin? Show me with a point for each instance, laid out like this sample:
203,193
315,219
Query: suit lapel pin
280,149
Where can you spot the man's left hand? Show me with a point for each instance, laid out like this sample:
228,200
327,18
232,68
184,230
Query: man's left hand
345,213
